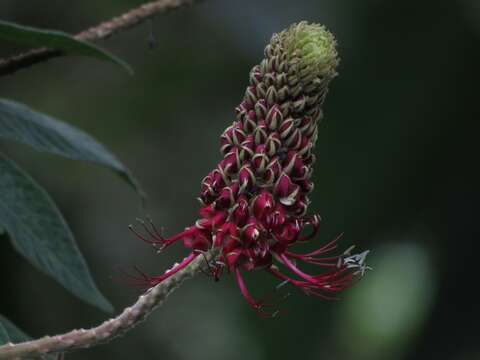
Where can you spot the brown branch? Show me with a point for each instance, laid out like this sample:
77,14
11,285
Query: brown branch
110,329
101,31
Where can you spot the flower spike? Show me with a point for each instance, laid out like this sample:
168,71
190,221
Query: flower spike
255,202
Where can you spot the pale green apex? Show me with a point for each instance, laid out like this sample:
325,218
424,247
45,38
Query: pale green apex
312,46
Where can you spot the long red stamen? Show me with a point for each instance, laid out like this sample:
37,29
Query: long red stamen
243,289
332,245
158,279
306,287
286,261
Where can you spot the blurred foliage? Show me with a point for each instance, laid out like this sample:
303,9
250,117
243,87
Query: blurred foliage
381,317
398,151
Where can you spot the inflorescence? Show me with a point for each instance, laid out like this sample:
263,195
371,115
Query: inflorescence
254,203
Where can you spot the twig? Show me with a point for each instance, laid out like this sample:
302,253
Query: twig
101,31
110,329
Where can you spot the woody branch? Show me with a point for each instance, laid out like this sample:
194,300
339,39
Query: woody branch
101,31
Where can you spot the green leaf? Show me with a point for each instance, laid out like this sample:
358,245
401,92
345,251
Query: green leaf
39,232
10,333
3,335
44,133
58,40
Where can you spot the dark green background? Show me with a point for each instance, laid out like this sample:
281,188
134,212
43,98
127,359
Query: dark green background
397,171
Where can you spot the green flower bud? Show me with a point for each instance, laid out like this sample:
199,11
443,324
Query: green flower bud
310,54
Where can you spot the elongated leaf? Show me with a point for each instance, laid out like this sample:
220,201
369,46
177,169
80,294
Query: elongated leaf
44,133
39,232
3,334
11,333
58,40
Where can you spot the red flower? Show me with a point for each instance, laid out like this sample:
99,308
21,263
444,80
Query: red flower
254,203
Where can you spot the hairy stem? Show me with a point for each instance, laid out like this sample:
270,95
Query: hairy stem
101,31
110,329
